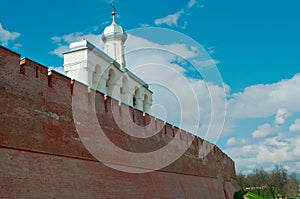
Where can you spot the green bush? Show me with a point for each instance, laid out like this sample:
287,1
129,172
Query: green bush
239,194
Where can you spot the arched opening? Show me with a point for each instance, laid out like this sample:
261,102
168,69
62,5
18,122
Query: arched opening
145,103
111,82
135,97
97,75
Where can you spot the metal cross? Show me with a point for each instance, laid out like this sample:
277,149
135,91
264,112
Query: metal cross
112,4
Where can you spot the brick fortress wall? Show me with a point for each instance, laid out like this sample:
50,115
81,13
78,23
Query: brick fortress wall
42,156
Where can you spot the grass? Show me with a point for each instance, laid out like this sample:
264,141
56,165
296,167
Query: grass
250,195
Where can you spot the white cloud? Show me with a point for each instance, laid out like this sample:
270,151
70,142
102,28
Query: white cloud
295,127
263,100
212,110
142,55
189,93
184,25
17,46
263,131
206,63
144,25
268,145
281,116
134,43
67,39
266,153
192,3
233,142
170,20
60,50
6,36
211,50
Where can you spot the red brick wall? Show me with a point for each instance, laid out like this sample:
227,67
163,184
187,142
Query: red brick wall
41,155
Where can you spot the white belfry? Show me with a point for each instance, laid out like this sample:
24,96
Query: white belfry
114,38
105,70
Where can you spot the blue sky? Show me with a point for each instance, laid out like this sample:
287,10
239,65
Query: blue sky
256,45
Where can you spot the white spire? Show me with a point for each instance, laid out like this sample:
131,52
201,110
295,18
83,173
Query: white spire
114,38
113,17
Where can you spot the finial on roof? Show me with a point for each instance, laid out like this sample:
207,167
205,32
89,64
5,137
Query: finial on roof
113,17
113,13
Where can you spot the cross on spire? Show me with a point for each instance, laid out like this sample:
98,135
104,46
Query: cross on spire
112,5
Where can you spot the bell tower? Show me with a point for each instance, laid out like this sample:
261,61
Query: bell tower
114,38
105,70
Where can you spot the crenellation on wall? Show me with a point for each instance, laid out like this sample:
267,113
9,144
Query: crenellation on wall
8,56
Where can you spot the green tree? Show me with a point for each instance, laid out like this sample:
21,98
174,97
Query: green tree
256,179
290,189
241,179
276,181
